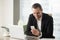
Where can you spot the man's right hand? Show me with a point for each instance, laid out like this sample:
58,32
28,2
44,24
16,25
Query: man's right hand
35,32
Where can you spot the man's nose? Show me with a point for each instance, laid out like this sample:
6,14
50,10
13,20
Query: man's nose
38,14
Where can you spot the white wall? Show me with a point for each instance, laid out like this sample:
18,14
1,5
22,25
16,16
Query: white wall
0,17
1,12
6,12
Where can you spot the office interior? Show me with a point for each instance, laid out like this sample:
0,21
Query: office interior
15,13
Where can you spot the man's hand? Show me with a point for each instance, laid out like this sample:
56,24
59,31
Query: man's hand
35,32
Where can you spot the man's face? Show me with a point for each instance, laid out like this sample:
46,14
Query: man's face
37,13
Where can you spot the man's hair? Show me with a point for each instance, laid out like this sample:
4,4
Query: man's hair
36,5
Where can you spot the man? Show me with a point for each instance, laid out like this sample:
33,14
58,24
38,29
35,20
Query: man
43,23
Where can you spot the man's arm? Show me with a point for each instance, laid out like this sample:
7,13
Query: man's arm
28,30
49,33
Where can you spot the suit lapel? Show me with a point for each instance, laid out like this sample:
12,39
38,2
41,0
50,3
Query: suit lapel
35,23
42,22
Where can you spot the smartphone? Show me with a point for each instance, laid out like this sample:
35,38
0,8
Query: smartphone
32,27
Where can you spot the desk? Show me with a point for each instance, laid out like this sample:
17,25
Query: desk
12,38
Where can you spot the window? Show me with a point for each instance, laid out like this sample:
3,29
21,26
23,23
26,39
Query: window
49,6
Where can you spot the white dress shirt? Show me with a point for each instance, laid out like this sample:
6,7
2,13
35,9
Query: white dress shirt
39,25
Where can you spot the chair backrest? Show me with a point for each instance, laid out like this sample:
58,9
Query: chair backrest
49,14
24,27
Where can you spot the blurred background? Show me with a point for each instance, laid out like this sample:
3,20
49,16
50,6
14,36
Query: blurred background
15,13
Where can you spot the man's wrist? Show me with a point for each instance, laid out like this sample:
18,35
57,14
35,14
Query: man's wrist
40,35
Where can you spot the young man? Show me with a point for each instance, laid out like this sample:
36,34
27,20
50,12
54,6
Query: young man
42,23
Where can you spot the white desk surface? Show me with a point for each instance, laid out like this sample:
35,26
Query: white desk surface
12,38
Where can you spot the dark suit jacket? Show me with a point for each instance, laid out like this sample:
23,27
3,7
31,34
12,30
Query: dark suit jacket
46,26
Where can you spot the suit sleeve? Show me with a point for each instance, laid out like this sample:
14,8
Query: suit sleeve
50,28
28,30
